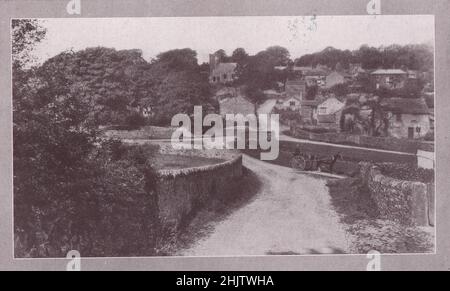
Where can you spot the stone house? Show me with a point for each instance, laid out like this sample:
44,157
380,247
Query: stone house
389,79
329,113
408,117
291,103
221,73
336,78
295,92
295,88
308,111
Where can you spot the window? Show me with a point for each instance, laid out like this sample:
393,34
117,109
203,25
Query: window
225,76
398,117
292,103
322,110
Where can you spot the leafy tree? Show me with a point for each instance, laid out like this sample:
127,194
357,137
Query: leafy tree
339,90
413,57
239,56
179,85
69,191
26,33
222,56
259,72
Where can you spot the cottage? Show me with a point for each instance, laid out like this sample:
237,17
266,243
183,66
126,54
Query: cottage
408,117
389,79
291,103
296,89
336,78
330,106
221,73
308,111
329,113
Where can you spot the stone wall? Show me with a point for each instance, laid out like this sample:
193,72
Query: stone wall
146,132
180,193
406,202
383,143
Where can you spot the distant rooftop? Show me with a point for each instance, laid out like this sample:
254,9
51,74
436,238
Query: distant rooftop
406,105
389,72
225,67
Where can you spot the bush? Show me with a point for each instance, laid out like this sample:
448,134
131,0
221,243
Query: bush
106,207
429,136
406,172
135,121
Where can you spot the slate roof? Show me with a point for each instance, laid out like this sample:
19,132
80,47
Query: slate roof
389,72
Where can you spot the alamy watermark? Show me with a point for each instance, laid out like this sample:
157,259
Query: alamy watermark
232,131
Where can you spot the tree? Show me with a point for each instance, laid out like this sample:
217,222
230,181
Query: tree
222,56
26,33
413,57
111,82
259,73
239,56
339,90
66,183
177,88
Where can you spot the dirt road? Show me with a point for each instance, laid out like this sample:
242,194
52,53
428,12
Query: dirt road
291,214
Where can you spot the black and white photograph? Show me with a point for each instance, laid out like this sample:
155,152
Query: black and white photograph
239,136
97,169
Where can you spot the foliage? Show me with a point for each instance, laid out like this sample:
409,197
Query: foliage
338,90
406,172
110,82
361,218
311,92
179,85
70,191
413,57
288,115
25,34
258,73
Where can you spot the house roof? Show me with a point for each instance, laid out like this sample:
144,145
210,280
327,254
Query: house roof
389,72
343,74
295,83
224,68
310,103
406,105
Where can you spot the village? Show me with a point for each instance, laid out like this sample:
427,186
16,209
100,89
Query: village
322,99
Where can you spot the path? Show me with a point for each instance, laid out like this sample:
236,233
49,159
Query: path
291,214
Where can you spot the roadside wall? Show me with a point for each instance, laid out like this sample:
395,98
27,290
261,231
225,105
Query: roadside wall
384,143
406,202
146,132
182,192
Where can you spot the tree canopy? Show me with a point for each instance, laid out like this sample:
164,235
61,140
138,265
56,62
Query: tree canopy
413,57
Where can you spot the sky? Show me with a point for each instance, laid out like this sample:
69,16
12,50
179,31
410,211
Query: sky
300,35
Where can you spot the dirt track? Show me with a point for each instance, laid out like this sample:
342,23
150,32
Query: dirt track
291,214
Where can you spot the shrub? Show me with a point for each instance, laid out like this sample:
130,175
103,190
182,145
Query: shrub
406,172
105,207
135,121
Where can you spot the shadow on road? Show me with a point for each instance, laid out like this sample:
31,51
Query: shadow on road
218,209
